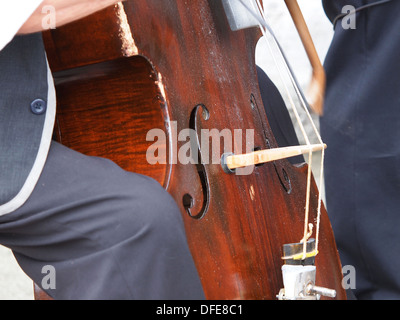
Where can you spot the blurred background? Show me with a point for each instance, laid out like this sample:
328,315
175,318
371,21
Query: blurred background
15,285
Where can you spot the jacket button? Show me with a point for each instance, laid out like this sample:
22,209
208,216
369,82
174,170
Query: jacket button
38,106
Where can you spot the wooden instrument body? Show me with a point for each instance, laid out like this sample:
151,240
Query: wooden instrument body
111,91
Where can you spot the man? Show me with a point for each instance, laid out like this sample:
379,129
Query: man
361,127
107,233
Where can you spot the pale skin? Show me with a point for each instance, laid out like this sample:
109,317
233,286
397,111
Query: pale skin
67,11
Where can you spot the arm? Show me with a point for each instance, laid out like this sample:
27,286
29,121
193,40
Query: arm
66,11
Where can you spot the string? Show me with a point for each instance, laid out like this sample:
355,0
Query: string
300,123
264,26
321,173
292,104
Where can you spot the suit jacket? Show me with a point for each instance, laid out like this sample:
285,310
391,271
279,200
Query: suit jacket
27,113
361,126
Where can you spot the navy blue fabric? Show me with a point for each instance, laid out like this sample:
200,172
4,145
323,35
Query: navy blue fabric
109,233
23,79
361,127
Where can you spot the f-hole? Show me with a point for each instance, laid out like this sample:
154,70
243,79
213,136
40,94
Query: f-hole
188,200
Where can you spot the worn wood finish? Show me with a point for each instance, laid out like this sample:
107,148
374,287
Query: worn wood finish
183,54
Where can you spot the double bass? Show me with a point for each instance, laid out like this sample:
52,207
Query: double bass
173,65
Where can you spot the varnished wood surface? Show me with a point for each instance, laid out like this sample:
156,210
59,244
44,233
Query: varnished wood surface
98,100
190,50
